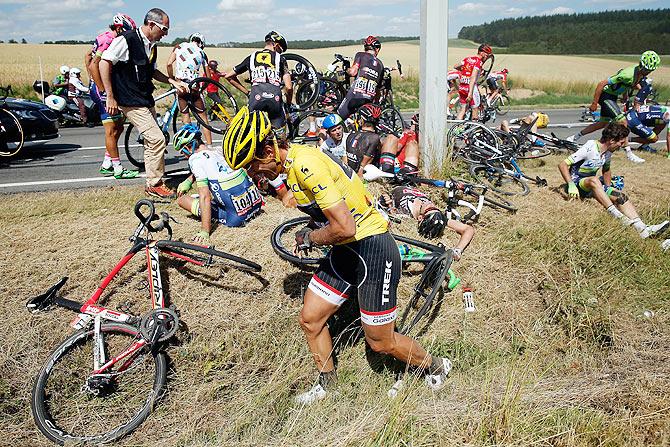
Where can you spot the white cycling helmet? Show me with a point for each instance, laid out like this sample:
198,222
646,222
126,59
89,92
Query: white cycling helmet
64,69
55,102
198,38
74,71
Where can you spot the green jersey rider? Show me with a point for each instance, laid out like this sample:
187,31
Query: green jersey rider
364,263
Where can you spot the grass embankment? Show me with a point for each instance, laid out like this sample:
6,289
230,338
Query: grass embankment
558,352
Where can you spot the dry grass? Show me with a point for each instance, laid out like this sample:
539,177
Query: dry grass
19,63
558,353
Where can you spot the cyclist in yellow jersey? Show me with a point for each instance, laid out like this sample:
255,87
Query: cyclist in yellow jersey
364,263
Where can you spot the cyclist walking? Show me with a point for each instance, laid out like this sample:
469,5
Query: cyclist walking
267,70
622,83
364,262
113,124
468,92
127,69
369,73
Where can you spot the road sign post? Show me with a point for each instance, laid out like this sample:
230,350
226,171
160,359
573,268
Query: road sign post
433,98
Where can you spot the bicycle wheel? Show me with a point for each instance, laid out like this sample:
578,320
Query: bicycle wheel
205,256
299,127
503,104
134,146
283,241
498,180
68,406
487,66
429,286
393,119
11,134
472,137
331,95
223,111
303,76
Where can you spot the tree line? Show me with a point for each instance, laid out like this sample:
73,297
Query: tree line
608,32
293,44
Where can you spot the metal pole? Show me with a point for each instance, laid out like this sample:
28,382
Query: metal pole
41,77
433,97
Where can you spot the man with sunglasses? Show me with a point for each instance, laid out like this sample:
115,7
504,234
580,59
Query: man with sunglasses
127,69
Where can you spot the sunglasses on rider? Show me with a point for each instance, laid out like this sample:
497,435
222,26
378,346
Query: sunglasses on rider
162,27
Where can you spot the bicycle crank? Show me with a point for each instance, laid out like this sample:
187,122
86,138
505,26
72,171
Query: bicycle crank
159,324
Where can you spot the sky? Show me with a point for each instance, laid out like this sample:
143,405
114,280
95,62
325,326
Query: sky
250,20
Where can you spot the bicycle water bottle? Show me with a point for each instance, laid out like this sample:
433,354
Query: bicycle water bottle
468,300
404,249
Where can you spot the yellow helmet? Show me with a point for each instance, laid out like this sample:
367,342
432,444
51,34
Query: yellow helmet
542,120
245,132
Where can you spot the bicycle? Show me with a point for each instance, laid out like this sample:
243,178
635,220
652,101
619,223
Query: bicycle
458,194
11,131
222,107
390,113
114,367
436,260
501,104
134,140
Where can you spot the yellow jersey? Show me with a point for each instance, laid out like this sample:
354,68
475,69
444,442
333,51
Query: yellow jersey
319,181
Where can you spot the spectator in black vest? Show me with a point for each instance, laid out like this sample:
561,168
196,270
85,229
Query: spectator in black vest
127,69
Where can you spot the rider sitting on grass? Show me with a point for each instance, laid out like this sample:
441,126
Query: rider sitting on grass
580,171
224,195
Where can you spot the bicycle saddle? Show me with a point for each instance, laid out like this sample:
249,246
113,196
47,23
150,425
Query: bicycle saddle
45,300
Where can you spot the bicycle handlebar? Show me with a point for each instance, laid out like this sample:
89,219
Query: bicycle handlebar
146,219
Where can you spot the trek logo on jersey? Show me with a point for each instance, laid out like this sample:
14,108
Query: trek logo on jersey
386,290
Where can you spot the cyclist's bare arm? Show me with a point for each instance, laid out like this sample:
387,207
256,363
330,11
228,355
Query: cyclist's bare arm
232,78
607,176
205,198
353,70
106,77
94,73
87,61
565,171
465,231
181,86
341,226
458,66
599,89
171,60
473,81
288,87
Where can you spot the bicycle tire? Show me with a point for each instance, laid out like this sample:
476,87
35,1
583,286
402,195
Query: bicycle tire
503,105
43,401
134,146
499,181
429,286
499,202
332,93
224,110
392,117
296,128
487,66
11,134
307,74
182,248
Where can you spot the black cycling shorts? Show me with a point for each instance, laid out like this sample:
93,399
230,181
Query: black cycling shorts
350,104
368,270
272,105
609,110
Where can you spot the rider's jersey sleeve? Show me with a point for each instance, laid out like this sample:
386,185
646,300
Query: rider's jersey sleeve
243,66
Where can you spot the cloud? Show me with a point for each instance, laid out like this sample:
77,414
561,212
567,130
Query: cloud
242,5
558,10
513,11
378,2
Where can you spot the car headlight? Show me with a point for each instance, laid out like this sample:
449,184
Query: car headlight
25,114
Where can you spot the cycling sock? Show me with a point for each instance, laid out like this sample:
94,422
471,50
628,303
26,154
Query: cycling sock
410,167
615,212
387,162
328,379
116,162
638,224
107,161
436,366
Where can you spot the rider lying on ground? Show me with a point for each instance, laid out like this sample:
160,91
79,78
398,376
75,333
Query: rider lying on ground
410,201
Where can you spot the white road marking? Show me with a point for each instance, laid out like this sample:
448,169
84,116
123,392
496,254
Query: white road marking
95,148
61,181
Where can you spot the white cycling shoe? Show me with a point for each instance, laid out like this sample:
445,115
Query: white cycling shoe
437,381
634,158
316,394
665,245
573,138
653,230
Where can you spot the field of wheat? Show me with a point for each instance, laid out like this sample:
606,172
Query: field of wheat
19,64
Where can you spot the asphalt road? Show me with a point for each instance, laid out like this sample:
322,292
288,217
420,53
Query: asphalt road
73,159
